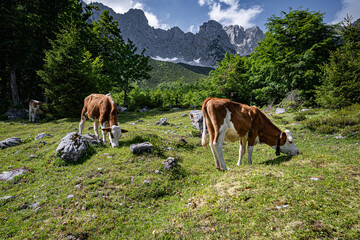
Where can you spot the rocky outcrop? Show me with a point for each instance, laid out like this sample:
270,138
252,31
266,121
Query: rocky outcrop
196,118
243,40
72,147
206,47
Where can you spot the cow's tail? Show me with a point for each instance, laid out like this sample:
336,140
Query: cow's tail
205,116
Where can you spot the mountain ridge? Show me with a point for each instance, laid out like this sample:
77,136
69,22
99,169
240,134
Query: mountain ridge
205,48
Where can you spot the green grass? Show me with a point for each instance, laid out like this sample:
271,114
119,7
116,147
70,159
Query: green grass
192,201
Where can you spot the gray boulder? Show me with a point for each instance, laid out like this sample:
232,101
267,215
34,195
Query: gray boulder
17,114
7,176
10,142
196,118
169,163
141,147
72,147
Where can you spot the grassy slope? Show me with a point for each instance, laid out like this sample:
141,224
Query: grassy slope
171,72
194,201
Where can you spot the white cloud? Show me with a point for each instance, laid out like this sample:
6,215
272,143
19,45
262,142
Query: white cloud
193,29
122,6
154,22
349,7
229,12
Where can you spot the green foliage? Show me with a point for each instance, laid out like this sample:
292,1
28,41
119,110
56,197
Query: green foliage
229,80
70,74
341,82
25,29
289,56
123,66
345,121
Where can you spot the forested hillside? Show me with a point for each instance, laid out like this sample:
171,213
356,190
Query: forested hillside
166,72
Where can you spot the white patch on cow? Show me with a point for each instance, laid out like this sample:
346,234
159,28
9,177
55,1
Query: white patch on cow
289,147
116,134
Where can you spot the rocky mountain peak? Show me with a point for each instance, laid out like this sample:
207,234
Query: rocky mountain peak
136,15
205,48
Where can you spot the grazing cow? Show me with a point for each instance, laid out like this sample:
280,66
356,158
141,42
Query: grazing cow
102,108
231,121
34,108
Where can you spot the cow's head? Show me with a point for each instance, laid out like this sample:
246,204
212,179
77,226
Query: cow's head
289,146
114,134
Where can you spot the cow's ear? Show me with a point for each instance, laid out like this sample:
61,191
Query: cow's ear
106,129
124,131
283,138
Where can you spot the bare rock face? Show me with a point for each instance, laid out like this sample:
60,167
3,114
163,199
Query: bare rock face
17,114
243,40
72,147
196,118
205,48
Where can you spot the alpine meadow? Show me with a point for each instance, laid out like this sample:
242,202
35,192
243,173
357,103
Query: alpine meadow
158,181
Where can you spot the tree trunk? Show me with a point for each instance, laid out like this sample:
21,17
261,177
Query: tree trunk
13,86
125,98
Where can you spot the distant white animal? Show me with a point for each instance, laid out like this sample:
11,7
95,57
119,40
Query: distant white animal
102,108
34,109
232,121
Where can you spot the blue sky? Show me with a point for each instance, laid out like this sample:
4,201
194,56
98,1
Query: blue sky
189,15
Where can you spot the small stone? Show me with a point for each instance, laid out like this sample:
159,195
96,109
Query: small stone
162,122
35,205
157,171
78,186
280,111
70,196
42,135
141,147
33,156
169,163
170,149
146,182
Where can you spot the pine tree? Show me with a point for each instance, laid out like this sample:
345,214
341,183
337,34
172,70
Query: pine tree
69,74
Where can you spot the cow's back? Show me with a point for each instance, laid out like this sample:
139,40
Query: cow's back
98,105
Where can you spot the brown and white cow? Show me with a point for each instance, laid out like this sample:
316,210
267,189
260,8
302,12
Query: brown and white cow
102,108
34,108
232,121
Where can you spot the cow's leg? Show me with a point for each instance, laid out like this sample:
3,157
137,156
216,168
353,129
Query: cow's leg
242,150
218,147
82,124
96,129
213,150
250,151
103,125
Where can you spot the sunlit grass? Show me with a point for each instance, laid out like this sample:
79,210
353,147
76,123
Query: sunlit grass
118,195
